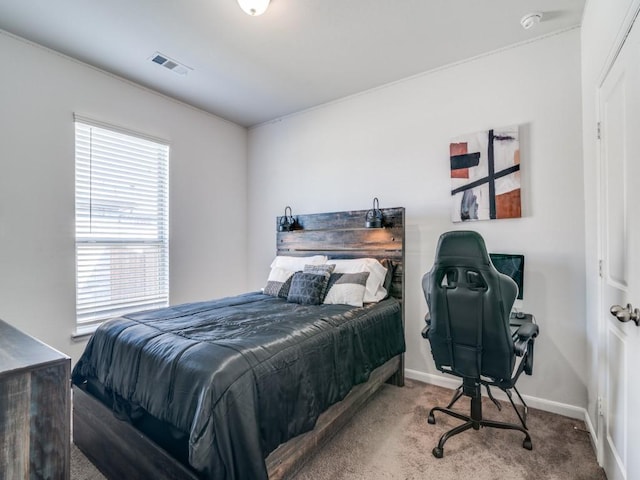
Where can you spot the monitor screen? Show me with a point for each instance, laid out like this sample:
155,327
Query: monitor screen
511,265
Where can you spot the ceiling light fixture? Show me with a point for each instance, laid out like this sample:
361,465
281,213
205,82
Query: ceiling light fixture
254,7
530,20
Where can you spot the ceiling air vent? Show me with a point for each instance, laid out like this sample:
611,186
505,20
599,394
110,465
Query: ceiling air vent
166,62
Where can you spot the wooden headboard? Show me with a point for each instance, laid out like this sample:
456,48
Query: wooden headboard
344,235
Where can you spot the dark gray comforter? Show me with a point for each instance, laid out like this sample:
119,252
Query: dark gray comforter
243,374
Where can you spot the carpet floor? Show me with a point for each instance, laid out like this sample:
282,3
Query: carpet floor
391,439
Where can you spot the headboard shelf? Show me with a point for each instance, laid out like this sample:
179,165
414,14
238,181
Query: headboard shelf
353,220
300,229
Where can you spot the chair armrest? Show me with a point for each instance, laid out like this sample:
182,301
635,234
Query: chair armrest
425,330
524,335
527,331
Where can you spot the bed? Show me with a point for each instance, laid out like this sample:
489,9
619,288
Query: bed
212,390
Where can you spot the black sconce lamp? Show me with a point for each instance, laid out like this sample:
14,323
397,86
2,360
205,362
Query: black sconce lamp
374,216
287,222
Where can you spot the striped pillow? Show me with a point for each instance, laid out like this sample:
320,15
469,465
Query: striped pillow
347,288
278,283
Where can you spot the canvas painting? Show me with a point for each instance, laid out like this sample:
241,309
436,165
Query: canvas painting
485,175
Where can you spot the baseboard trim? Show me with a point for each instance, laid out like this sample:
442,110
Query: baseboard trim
593,434
552,406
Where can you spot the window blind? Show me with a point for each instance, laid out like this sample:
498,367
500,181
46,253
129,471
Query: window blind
122,238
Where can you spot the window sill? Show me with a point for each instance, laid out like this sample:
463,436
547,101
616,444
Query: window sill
81,333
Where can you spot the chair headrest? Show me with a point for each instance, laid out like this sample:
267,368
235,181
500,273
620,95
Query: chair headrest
462,244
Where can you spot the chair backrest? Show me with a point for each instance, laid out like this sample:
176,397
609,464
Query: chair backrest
469,304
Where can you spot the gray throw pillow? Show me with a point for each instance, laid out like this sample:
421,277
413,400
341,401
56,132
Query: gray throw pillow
326,270
307,288
278,289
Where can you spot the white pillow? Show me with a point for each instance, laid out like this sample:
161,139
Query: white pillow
278,274
375,290
296,264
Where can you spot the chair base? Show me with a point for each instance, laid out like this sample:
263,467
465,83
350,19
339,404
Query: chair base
472,389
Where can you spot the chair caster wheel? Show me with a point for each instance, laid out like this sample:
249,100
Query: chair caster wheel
437,452
431,419
527,444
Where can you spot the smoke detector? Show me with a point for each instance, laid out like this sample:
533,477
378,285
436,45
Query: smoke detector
530,20
166,62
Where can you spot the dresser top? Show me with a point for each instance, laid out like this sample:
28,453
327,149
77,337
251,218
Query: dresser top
19,351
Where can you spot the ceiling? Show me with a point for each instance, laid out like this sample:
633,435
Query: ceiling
299,54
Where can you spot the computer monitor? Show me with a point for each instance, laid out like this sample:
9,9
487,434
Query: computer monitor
512,265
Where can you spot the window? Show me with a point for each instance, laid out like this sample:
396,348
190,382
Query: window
122,238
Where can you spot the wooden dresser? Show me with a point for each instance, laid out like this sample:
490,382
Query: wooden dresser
35,399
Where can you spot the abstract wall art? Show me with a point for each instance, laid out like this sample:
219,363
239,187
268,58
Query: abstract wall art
485,175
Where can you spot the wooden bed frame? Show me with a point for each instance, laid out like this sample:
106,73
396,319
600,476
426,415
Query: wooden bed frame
121,451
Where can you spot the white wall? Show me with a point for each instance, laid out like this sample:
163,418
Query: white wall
604,24
39,92
393,143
